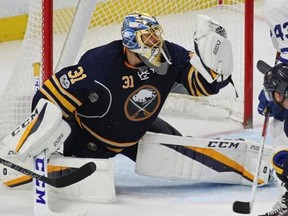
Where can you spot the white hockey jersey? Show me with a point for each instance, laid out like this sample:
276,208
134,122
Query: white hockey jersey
276,15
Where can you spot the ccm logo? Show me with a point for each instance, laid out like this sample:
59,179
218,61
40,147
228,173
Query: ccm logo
41,195
222,144
25,123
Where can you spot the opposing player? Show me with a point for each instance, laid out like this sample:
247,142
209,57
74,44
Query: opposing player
276,16
276,86
113,96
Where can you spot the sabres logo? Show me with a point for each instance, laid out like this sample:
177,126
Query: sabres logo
142,103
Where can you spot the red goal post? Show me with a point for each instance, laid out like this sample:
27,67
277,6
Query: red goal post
60,31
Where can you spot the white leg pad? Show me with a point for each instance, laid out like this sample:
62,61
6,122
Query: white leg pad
97,188
233,161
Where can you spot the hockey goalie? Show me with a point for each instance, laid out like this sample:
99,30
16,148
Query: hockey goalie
108,104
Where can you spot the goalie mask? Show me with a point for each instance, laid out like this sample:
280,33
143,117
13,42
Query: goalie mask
142,34
276,80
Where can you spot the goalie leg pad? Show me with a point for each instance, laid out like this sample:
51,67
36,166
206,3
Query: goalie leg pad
13,179
201,160
97,188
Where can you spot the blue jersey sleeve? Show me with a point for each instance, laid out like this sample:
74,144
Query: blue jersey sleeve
71,89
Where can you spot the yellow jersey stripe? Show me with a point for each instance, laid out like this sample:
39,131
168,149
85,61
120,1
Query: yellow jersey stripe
191,71
59,97
117,150
63,91
51,99
200,84
198,93
109,142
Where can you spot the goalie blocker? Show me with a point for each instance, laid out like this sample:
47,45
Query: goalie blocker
202,160
45,130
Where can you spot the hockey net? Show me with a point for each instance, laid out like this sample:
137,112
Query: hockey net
81,25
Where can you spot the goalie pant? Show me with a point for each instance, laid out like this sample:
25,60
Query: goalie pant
202,160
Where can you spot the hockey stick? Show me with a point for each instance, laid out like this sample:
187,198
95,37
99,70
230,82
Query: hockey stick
263,67
40,190
63,181
246,207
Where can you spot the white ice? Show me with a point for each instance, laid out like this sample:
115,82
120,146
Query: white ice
143,196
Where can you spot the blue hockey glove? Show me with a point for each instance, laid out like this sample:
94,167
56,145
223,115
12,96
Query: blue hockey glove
275,110
280,164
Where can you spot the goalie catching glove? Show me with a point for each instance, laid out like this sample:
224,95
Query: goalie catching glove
214,57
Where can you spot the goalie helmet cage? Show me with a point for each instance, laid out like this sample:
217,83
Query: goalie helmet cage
64,29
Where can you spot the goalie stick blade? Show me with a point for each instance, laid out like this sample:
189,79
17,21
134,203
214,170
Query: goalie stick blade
263,67
63,181
74,177
241,207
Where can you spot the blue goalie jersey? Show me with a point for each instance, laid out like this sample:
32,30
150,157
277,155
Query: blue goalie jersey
115,102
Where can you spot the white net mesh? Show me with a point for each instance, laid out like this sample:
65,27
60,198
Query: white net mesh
177,18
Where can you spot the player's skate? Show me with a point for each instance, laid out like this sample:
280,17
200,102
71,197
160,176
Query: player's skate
280,208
